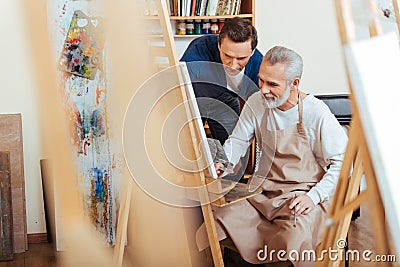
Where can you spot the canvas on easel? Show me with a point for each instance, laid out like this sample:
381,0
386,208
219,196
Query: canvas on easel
376,64
373,66
189,136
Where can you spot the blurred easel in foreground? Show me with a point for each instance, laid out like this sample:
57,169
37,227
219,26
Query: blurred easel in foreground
167,50
372,65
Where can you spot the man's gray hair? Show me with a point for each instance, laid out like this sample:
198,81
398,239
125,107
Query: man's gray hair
292,61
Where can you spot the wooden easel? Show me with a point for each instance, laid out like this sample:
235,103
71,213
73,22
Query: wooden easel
347,197
169,51
396,13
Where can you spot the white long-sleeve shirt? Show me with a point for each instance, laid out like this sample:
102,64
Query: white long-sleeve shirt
326,136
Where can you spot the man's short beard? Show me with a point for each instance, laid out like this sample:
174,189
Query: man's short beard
277,102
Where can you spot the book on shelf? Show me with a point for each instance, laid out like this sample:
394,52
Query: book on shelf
197,9
203,7
188,7
212,7
193,8
220,7
227,7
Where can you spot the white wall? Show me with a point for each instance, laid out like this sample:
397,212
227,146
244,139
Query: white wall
181,44
17,95
308,27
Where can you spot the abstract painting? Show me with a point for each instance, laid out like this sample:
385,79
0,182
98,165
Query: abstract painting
83,80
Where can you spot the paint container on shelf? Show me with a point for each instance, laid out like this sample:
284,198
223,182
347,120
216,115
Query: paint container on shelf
189,27
206,26
214,26
221,23
197,26
181,27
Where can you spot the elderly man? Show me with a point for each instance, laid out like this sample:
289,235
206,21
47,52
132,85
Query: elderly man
303,146
223,68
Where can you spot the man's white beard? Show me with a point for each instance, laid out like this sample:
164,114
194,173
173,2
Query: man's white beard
277,102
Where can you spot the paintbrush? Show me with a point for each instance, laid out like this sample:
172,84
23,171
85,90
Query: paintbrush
294,217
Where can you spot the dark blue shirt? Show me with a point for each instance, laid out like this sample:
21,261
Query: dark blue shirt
205,49
218,105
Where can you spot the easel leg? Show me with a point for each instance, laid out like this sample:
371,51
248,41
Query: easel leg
212,235
377,210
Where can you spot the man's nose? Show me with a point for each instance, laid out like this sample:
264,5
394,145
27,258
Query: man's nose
264,89
235,64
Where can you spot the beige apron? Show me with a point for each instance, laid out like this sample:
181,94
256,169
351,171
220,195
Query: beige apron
266,220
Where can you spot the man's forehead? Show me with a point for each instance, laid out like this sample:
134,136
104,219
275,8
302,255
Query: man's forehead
239,49
275,71
266,65
226,41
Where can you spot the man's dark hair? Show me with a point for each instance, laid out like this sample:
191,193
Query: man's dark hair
239,30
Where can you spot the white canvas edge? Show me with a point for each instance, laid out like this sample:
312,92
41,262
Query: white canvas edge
373,65
196,116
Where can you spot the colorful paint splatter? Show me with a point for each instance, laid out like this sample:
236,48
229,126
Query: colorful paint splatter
84,80
92,145
83,46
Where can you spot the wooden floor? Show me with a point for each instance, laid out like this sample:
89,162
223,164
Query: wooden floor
38,255
360,236
42,255
361,239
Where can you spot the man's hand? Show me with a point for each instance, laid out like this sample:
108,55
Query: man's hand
218,166
227,168
304,204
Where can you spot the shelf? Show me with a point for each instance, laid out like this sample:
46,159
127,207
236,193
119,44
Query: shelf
211,17
155,36
200,17
188,35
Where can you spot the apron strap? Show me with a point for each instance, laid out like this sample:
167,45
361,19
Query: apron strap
300,107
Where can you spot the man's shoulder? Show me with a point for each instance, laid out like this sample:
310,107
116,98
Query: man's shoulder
203,48
254,107
255,100
257,55
255,62
310,101
208,39
315,109
254,96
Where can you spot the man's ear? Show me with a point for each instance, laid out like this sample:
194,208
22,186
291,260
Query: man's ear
295,84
